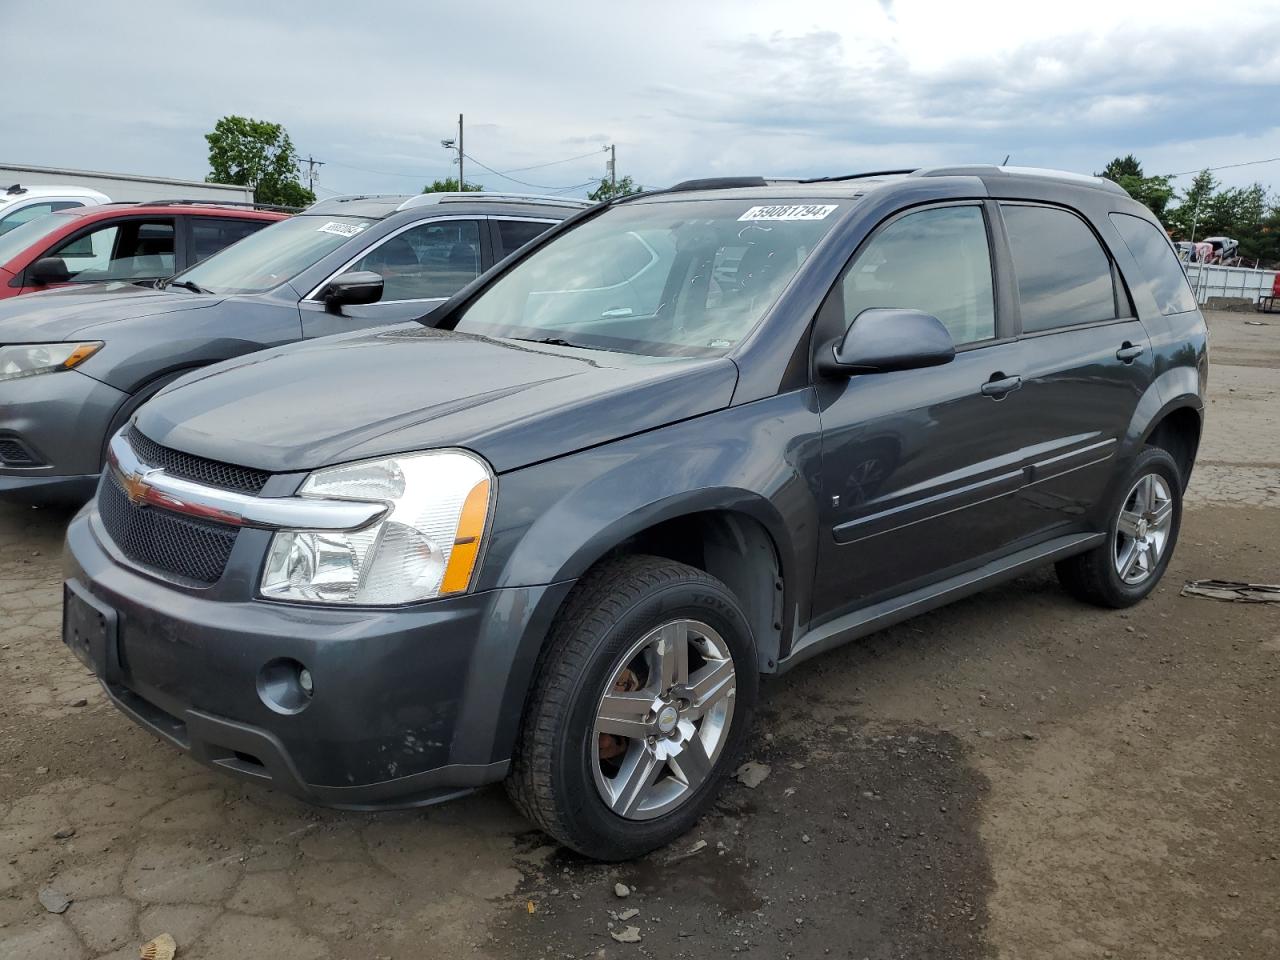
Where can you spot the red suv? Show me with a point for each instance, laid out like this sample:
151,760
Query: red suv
120,241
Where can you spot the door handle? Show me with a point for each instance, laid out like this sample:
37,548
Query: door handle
999,385
1128,352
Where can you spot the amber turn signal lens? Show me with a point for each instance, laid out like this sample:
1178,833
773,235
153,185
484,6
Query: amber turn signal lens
466,546
81,353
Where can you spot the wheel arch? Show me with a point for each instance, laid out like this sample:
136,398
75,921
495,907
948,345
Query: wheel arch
1177,429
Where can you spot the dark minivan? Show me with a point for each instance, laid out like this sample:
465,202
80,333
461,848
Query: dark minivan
556,534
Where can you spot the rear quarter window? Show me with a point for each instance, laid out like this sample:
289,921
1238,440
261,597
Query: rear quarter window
1161,272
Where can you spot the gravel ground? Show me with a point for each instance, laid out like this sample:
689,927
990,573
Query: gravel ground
1014,776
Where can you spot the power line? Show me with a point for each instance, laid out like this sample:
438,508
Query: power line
381,173
523,183
552,163
500,173
1225,166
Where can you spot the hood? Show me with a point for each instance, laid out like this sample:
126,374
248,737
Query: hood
88,312
400,389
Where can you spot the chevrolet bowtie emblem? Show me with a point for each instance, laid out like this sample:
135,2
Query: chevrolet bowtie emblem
136,486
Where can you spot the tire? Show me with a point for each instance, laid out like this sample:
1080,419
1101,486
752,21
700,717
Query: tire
1096,577
566,769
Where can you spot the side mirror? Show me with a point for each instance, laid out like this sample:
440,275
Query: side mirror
351,289
48,270
883,339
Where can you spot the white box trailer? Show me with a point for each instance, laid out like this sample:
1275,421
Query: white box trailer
123,187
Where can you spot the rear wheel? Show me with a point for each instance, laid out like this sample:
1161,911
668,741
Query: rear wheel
643,699
1140,540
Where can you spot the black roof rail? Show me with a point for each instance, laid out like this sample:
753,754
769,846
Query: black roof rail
860,176
277,207
717,183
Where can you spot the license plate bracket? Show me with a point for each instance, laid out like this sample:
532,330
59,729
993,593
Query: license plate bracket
90,629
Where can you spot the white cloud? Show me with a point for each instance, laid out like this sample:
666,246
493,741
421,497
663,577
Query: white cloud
684,89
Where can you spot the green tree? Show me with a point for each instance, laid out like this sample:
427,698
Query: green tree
1126,166
608,190
258,154
450,185
1152,192
1183,220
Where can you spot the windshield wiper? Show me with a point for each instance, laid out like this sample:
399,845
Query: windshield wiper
187,285
556,342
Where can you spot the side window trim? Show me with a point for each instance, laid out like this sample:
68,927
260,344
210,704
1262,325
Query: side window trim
485,259
1003,318
1121,301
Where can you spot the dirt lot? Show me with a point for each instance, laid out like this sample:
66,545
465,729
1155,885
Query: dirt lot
1015,776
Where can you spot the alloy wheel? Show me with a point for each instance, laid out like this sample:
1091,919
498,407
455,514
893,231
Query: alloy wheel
1142,531
663,719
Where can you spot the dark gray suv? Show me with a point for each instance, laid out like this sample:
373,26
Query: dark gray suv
558,533
75,363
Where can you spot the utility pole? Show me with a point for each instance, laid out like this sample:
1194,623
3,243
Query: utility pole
450,143
613,169
313,172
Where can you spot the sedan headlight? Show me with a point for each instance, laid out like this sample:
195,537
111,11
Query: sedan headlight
30,359
425,546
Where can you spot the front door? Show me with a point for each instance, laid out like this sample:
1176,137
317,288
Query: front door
920,467
421,267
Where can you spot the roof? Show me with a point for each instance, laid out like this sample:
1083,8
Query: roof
855,184
20,191
377,206
210,208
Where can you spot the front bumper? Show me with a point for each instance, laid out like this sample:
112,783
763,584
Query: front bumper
411,705
62,420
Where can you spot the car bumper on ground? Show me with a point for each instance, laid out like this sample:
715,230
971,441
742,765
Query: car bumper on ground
53,429
409,706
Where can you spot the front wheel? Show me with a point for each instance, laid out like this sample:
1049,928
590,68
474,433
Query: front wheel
1140,539
643,698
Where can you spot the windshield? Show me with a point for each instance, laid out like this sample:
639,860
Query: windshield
266,259
667,278
25,235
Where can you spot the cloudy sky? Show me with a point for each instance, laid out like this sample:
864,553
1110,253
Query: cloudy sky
689,88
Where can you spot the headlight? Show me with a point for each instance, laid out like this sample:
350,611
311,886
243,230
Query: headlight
29,359
426,545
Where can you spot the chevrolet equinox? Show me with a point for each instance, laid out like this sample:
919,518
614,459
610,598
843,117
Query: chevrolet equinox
556,534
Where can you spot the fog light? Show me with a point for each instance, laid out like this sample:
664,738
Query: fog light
285,685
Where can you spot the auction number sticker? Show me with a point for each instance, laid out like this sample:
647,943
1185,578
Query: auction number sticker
790,211
342,229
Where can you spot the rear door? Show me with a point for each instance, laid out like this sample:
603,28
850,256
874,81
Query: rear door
421,266
511,233
919,467
208,235
1085,361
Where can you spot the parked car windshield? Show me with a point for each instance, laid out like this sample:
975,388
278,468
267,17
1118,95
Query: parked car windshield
27,234
659,278
273,255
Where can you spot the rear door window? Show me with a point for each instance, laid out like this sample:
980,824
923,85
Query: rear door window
1161,271
131,250
429,261
210,234
514,234
937,261
1063,275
